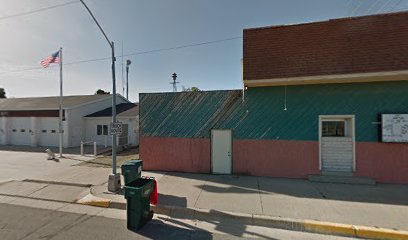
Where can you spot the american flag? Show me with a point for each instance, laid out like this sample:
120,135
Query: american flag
53,58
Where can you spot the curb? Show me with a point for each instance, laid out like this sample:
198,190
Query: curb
94,201
345,230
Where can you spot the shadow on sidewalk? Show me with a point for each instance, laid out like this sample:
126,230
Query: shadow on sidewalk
392,194
172,200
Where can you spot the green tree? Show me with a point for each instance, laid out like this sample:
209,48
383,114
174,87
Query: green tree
192,89
195,89
100,91
2,93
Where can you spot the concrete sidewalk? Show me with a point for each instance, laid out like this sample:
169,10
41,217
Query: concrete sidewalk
382,205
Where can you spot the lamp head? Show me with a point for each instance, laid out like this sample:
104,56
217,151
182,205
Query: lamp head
128,62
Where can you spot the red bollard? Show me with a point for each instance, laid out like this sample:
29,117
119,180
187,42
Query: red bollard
154,197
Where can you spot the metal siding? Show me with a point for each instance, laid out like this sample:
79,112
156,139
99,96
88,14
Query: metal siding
262,115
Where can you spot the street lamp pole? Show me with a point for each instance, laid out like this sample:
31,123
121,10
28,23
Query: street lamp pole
114,178
128,62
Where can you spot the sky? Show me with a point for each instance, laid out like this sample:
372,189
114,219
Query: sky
138,28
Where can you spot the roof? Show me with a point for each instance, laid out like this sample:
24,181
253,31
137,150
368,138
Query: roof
185,114
49,103
375,43
122,110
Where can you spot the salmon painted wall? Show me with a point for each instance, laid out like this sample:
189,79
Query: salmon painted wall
384,162
175,154
276,158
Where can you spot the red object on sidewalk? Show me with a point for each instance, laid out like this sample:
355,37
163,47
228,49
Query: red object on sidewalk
154,197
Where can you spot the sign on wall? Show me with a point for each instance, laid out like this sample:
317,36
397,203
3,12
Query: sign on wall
395,127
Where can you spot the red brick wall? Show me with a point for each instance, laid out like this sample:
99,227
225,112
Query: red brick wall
342,46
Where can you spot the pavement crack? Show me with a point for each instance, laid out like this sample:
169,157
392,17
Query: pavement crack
259,193
29,195
199,195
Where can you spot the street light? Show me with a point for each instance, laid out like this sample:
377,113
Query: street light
114,178
128,62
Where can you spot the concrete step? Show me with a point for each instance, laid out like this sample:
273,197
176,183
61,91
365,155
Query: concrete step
339,174
341,179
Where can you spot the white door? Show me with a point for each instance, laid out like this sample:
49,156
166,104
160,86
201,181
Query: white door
48,132
337,144
221,151
20,131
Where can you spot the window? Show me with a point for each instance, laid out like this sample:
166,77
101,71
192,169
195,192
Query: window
14,130
53,131
44,131
333,129
22,130
101,130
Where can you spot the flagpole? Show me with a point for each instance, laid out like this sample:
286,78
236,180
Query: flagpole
60,106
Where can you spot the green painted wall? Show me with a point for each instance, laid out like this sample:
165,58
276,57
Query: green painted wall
262,115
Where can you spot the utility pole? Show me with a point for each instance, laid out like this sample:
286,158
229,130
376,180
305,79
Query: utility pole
174,83
114,178
128,62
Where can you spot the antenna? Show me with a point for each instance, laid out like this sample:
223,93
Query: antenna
174,83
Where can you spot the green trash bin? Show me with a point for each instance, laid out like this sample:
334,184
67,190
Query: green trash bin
132,170
137,194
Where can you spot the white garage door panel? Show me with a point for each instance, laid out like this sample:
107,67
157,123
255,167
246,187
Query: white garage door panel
18,137
48,138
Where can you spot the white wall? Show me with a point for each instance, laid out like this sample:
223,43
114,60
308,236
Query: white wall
91,130
76,124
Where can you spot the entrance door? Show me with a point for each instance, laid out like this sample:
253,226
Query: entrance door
124,137
221,151
337,144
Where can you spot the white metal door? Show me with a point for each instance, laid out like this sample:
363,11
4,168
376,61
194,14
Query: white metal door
221,151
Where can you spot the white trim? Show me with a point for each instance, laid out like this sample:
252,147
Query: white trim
335,78
353,134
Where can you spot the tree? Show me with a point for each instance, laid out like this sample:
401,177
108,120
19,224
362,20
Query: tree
2,93
192,89
100,92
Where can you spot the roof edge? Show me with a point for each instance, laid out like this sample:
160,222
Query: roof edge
324,21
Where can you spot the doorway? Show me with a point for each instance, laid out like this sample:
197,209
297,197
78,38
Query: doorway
221,151
337,143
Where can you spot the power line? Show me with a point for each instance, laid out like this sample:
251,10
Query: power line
37,10
183,46
132,54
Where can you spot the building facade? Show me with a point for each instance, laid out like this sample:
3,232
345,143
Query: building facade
35,121
319,98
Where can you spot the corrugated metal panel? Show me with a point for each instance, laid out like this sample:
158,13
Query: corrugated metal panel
186,114
262,115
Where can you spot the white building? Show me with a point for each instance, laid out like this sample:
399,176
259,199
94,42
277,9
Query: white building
97,125
34,121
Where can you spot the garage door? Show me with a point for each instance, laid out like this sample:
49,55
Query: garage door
48,132
19,131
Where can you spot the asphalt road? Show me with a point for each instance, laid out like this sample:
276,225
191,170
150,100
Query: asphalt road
22,222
